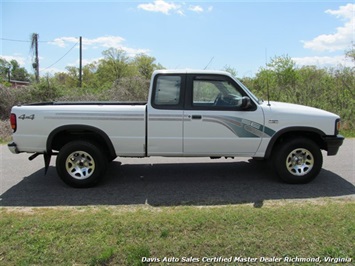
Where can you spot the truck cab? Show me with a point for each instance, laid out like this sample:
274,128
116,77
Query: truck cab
205,113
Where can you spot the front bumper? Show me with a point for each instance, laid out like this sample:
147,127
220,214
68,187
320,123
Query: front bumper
13,148
333,143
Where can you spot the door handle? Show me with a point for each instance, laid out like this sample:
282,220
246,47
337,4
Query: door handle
196,116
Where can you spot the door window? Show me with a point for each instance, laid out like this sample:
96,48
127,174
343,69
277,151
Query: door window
215,94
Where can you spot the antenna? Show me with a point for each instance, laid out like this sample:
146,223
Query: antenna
267,79
209,63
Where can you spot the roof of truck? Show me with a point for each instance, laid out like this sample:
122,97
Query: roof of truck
190,71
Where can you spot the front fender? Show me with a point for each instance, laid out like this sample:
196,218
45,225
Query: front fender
311,132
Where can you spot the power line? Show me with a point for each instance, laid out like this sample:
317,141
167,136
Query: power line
62,56
14,40
28,41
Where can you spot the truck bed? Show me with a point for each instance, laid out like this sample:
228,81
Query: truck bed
122,122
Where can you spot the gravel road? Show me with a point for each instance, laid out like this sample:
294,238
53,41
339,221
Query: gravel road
171,182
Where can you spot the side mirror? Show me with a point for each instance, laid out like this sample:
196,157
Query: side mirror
245,102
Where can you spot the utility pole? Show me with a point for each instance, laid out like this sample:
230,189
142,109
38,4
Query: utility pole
9,74
80,62
34,47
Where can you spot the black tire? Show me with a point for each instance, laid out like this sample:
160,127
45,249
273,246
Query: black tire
81,164
297,160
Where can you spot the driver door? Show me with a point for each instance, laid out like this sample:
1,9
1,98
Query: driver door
214,122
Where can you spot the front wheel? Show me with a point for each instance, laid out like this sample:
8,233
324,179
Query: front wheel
80,164
298,160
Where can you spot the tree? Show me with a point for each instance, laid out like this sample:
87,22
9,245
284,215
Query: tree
309,81
90,79
114,66
145,65
351,53
264,83
230,70
12,70
5,69
17,72
284,68
67,79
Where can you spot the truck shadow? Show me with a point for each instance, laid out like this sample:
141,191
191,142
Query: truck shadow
174,184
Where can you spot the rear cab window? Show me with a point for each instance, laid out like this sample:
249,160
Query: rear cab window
168,91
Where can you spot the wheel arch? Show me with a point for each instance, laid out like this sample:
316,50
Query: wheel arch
314,134
64,134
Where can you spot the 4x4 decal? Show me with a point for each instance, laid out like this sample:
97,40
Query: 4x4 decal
23,117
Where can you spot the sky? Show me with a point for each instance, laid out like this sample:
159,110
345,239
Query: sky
243,35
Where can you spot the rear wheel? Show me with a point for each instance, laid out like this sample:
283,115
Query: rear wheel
81,164
298,160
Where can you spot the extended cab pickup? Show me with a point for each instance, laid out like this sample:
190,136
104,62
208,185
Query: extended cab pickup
189,113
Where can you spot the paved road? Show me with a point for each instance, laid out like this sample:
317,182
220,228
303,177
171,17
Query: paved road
171,182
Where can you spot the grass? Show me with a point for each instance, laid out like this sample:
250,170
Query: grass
348,133
125,235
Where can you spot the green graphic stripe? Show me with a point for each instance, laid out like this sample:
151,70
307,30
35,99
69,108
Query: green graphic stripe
241,127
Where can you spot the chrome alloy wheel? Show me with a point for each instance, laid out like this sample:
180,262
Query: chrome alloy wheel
80,165
299,162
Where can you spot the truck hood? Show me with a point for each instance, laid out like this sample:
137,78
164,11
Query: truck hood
289,108
284,115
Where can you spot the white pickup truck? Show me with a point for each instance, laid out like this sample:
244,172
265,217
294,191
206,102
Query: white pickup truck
188,114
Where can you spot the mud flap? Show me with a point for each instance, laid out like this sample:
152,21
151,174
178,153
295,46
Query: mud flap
47,160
